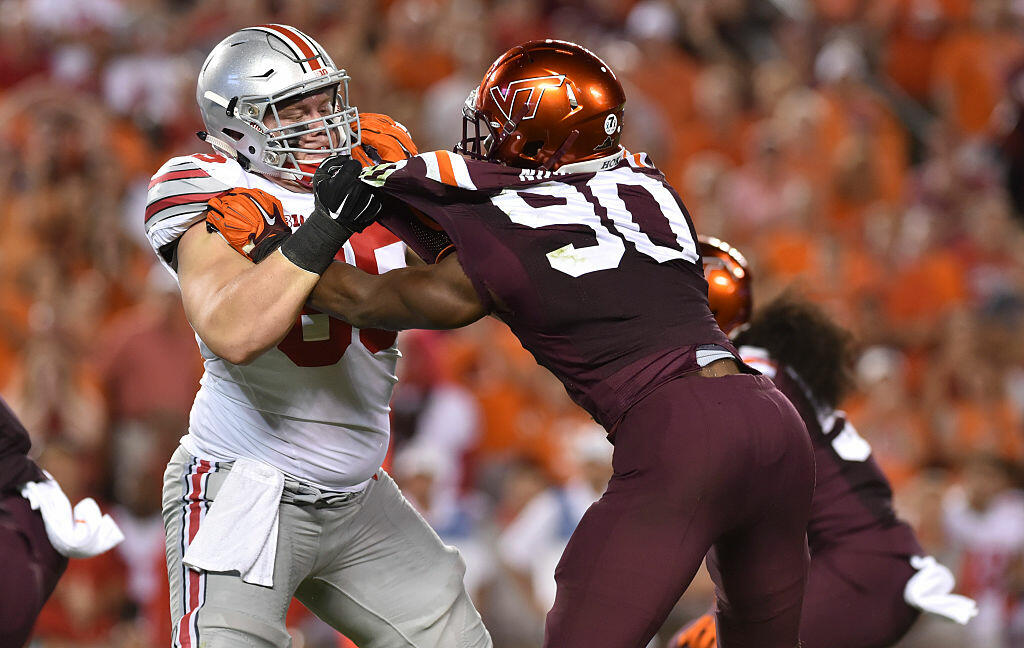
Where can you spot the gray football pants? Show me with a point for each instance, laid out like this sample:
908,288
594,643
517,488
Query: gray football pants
366,564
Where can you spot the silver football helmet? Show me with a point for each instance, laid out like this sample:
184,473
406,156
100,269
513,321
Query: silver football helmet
244,79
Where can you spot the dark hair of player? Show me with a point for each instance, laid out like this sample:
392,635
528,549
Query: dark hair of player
799,334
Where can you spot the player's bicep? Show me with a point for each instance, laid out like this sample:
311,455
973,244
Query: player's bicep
442,295
438,296
206,264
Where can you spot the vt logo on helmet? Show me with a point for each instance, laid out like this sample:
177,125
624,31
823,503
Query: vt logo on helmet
252,75
544,105
524,90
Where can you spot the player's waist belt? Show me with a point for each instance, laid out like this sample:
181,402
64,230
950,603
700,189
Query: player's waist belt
609,399
302,494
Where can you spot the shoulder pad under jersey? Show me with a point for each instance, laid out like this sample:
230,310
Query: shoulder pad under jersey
444,174
179,193
440,173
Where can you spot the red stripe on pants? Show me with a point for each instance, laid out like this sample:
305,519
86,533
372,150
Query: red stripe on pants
193,580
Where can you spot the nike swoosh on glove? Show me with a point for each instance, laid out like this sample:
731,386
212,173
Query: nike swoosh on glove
250,220
339,195
342,206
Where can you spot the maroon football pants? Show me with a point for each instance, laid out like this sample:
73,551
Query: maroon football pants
32,568
699,463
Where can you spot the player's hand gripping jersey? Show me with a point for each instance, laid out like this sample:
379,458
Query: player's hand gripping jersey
316,406
593,267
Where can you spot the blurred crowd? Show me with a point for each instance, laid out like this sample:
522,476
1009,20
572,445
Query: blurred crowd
868,154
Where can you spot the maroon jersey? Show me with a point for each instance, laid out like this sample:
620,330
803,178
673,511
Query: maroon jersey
15,467
852,503
596,271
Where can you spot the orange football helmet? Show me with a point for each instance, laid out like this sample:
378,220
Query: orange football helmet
728,277
544,104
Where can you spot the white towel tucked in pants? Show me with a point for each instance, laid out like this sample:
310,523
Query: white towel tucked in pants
239,534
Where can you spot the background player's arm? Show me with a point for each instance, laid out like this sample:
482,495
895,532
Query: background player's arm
438,296
237,308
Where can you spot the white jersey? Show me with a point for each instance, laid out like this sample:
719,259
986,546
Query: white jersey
316,406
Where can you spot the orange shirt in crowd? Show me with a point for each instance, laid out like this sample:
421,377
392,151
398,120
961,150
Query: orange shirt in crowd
790,253
859,273
431,65
698,136
926,289
87,602
667,79
898,437
915,29
865,112
990,425
970,72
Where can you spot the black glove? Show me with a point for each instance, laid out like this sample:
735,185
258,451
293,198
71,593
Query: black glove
342,206
339,195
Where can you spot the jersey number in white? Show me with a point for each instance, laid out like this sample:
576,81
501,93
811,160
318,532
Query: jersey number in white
578,210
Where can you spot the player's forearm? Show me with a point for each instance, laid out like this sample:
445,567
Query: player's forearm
348,293
406,298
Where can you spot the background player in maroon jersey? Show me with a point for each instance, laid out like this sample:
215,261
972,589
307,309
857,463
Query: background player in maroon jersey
587,266
861,552
32,563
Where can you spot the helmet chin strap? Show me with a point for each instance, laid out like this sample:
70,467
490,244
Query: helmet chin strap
506,131
218,144
307,167
221,146
553,160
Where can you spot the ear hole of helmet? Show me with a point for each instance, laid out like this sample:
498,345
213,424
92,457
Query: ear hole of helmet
233,134
532,148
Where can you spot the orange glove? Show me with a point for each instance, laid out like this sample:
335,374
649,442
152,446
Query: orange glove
250,220
702,633
383,140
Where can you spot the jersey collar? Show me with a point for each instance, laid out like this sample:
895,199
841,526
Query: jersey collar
597,164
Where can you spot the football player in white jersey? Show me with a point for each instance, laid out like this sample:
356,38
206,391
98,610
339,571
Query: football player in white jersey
277,489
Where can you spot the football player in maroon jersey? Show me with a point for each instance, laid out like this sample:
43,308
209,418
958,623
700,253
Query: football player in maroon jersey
590,257
39,531
33,565
861,552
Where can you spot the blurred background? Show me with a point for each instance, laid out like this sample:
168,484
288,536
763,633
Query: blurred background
867,153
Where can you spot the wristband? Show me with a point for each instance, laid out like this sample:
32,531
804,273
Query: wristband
313,246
